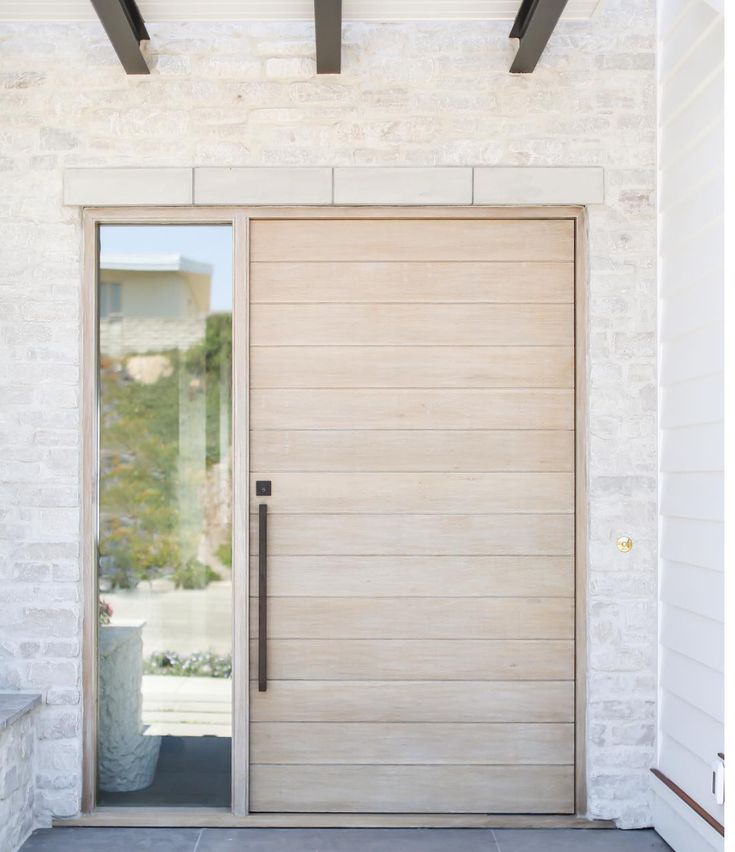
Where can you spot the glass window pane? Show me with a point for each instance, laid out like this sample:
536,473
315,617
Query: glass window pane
165,552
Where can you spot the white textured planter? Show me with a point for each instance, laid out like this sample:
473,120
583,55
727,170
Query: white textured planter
127,758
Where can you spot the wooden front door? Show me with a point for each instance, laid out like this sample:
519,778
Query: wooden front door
412,406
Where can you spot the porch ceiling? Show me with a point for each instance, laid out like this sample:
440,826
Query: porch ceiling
241,10
125,20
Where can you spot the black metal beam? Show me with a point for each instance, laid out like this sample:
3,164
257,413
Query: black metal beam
125,28
328,25
534,25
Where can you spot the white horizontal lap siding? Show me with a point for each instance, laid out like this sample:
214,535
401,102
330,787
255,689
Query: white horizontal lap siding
691,339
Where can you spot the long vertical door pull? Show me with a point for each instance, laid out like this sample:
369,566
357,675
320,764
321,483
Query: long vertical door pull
262,597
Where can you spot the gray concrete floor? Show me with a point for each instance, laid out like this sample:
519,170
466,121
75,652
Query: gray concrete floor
341,840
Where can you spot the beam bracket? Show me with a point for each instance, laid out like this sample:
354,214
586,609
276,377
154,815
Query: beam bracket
125,28
533,26
328,27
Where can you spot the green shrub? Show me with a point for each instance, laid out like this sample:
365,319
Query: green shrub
224,553
194,575
198,664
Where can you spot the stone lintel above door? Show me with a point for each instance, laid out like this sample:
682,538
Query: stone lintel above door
325,185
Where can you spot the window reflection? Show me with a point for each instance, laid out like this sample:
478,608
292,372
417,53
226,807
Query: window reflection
165,555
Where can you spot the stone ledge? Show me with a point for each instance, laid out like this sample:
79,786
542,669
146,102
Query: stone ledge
403,185
126,187
253,185
324,186
539,185
14,705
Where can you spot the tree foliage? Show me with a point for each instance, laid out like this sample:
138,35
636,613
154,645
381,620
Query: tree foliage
141,480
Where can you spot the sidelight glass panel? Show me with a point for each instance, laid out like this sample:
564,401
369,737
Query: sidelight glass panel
165,507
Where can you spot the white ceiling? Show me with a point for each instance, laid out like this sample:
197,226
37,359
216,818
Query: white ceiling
241,10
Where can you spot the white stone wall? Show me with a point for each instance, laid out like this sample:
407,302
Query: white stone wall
246,94
17,782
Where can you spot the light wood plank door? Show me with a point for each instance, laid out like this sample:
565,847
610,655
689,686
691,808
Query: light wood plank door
412,406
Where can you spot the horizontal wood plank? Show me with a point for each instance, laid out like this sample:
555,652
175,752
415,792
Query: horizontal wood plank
410,743
421,789
417,576
431,493
412,325
416,618
412,239
414,701
475,451
411,366
412,409
415,535
417,659
411,282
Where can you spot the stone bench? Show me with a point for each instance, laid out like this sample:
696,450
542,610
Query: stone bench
17,767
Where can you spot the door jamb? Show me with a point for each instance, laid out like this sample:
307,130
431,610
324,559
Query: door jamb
238,218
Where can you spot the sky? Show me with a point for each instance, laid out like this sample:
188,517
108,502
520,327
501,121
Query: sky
206,243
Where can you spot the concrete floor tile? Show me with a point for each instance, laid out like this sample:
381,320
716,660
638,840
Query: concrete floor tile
578,840
341,840
112,840
347,840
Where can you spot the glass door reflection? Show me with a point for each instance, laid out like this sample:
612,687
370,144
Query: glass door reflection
165,508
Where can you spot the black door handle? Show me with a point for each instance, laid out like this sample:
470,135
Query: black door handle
262,597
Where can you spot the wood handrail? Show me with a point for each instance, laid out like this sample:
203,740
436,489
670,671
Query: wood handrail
688,800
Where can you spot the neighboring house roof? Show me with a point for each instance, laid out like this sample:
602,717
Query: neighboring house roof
155,263
194,273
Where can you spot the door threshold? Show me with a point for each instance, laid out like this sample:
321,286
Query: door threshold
223,818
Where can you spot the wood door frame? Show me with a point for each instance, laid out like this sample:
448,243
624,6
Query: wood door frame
239,218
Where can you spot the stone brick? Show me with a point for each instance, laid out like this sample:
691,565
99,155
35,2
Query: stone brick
18,803
291,68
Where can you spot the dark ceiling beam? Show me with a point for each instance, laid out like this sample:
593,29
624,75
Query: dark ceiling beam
328,25
125,28
534,25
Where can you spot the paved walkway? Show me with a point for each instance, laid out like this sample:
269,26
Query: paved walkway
187,706
341,840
